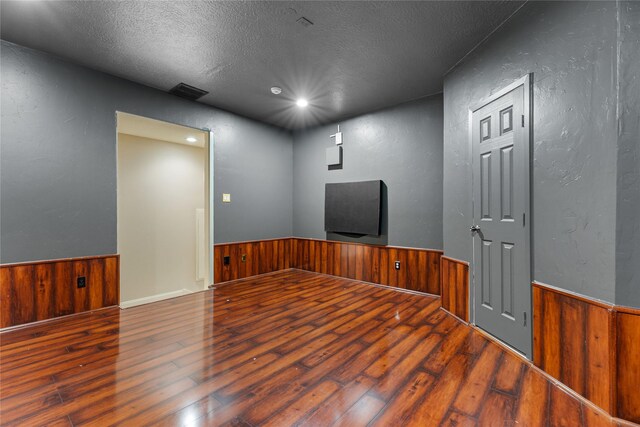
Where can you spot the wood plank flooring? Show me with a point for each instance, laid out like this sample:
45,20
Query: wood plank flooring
288,348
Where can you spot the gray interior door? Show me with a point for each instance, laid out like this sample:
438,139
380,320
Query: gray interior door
501,253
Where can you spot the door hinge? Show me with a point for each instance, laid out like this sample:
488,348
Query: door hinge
523,219
525,319
523,120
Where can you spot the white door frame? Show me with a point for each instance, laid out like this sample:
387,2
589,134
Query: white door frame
209,201
526,82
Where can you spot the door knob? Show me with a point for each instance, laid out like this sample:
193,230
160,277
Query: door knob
474,228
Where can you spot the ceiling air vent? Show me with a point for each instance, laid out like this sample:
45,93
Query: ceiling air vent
183,90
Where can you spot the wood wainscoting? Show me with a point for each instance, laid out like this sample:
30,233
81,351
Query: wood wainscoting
260,257
627,363
419,268
455,287
41,290
572,342
590,346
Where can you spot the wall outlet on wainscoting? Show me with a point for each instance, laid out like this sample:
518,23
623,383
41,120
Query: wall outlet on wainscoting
82,282
397,265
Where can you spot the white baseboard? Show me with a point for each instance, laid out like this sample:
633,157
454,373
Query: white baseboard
154,298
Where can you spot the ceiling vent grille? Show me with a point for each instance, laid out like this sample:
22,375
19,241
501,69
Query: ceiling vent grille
183,90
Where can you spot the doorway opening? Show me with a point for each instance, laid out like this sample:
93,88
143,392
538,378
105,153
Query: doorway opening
164,215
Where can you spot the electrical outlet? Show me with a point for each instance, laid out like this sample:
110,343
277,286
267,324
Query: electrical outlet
397,265
82,282
226,260
226,198
243,258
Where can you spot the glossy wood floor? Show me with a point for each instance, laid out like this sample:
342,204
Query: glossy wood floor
289,348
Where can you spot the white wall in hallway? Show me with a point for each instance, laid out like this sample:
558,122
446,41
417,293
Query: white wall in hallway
160,188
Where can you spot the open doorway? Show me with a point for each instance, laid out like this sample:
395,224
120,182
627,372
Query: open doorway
163,210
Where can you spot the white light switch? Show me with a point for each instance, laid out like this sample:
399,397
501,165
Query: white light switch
226,198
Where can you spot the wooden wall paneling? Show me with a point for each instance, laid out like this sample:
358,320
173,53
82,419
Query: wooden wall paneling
573,341
64,294
444,291
234,253
419,268
261,256
601,358
538,316
344,259
44,290
455,287
412,270
367,263
284,245
311,260
45,297
359,262
94,290
401,275
422,260
245,268
375,265
348,255
23,295
628,364
392,275
217,264
384,266
226,269
452,284
265,257
329,257
297,261
293,253
252,261
6,298
434,282
337,259
112,280
80,295
462,294
304,264
317,256
573,345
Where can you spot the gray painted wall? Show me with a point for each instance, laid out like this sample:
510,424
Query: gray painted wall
58,159
628,196
401,146
571,49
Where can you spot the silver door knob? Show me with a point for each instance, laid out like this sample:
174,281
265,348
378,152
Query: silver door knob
474,228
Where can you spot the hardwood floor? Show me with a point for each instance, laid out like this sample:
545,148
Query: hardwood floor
289,348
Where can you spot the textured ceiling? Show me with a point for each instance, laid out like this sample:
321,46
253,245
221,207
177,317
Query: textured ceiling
356,57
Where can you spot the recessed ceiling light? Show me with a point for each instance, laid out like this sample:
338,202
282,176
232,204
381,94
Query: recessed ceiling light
191,139
276,90
302,103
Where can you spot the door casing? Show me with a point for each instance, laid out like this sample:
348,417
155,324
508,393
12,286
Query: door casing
525,81
209,188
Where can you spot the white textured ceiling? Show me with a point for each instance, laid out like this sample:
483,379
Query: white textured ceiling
356,57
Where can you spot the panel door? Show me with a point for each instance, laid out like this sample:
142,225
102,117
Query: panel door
501,255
